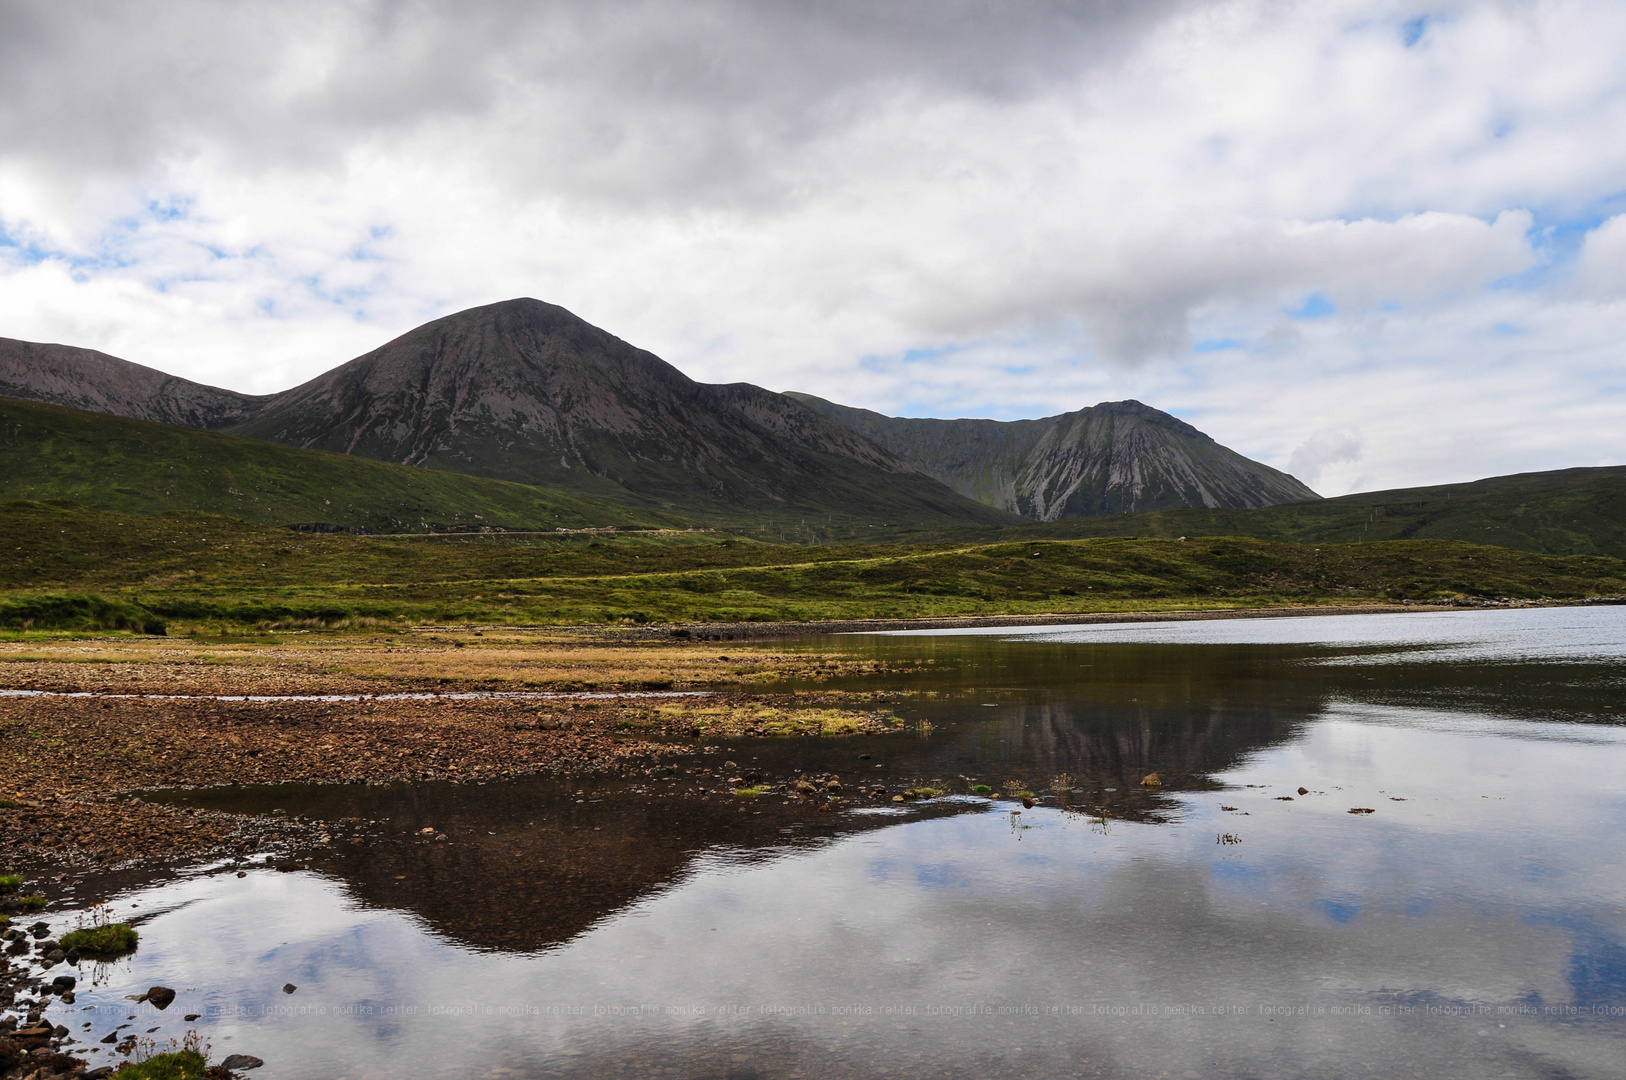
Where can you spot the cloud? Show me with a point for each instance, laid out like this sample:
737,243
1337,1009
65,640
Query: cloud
1601,269
1325,447
948,206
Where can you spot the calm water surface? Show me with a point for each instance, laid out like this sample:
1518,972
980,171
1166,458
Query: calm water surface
1222,925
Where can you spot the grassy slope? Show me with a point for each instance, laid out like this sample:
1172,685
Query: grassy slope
1568,512
201,569
133,466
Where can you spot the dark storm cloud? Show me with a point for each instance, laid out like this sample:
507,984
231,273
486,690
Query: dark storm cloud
632,101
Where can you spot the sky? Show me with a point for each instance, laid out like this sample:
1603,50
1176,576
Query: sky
1376,244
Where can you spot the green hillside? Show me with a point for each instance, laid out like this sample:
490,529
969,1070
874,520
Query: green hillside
74,568
135,466
1567,512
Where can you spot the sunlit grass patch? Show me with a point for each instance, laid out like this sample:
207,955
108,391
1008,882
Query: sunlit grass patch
758,719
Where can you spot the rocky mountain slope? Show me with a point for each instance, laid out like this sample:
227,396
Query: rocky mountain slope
95,381
525,391
1115,458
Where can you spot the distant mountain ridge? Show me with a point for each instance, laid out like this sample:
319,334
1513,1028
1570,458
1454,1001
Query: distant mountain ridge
1118,457
525,391
96,382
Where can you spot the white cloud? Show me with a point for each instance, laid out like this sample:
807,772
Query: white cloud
936,207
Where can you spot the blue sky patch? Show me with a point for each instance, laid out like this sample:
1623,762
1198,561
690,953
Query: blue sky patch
1340,911
1315,306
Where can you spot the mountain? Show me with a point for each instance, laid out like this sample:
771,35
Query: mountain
87,379
1563,512
137,466
526,392
1118,457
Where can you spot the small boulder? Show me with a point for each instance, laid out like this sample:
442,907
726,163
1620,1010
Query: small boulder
241,1062
1151,780
160,996
63,983
1304,791
288,988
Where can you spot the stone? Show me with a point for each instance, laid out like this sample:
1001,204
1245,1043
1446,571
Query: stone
72,957
68,998
189,1017
63,983
1028,803
1304,791
288,988
1151,780
37,1031
236,1062
160,996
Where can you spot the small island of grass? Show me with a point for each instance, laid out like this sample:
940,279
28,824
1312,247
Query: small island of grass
112,939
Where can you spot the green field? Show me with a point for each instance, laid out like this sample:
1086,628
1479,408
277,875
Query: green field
77,568
1568,512
133,466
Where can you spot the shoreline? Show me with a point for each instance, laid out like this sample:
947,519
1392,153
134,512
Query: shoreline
95,722
770,631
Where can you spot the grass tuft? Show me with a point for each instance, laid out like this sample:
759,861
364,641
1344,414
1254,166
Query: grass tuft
112,939
185,1064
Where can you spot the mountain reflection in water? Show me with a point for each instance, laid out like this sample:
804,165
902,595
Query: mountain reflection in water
1223,924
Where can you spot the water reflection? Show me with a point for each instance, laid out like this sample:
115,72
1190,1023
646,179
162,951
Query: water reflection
1472,924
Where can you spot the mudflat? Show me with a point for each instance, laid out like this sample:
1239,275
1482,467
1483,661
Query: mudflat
91,724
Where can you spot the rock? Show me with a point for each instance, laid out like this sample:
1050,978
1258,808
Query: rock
1362,810
288,988
111,1037
241,1062
68,998
49,945
36,1032
56,956
99,1074
189,1017
1304,791
1151,780
898,798
63,983
72,957
160,996
1028,803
